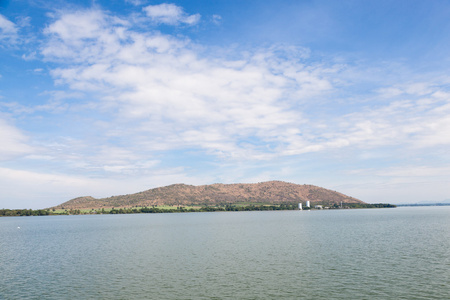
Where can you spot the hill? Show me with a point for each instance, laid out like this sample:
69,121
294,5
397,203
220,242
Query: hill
271,192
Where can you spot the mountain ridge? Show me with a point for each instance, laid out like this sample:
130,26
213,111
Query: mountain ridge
270,192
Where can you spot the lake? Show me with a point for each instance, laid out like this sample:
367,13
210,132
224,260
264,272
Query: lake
400,253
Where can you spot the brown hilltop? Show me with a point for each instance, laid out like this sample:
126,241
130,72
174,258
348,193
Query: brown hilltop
273,192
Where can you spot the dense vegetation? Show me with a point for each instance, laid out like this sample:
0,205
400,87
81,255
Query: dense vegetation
202,209
23,212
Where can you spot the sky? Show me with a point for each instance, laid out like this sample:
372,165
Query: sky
114,97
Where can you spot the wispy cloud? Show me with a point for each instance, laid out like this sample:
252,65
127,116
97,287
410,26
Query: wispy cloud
167,90
8,30
217,19
170,14
137,2
14,142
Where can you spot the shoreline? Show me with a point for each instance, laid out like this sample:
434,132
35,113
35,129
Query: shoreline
179,209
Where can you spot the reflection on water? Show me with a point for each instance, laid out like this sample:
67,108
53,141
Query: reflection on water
400,253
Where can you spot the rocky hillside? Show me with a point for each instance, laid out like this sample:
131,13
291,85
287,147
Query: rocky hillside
273,192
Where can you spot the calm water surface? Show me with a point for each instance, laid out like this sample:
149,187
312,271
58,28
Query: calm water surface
401,253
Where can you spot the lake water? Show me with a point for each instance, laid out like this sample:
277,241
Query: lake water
401,253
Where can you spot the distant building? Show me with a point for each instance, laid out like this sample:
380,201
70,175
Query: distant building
308,204
318,207
300,206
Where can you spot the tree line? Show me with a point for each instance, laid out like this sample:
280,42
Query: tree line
228,207
23,212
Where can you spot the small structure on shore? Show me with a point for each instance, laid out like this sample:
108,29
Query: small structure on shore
308,204
300,206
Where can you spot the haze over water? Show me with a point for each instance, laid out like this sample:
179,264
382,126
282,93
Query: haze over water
400,253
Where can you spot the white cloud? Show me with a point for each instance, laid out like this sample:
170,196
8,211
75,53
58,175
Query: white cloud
8,30
217,19
170,14
415,89
166,91
23,21
84,35
29,56
420,122
14,142
163,93
136,2
55,104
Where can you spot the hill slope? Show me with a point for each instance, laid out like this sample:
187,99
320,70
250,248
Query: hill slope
273,192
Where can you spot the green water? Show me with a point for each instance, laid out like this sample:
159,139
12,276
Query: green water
401,253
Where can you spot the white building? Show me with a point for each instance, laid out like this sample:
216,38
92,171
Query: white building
308,204
300,206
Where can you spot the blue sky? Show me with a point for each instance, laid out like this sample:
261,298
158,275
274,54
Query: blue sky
104,98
